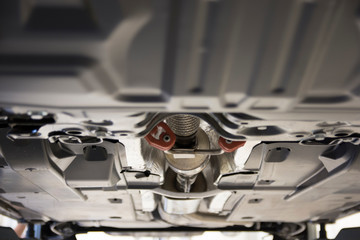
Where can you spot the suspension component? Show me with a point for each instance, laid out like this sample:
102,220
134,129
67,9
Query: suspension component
186,147
187,164
161,137
230,146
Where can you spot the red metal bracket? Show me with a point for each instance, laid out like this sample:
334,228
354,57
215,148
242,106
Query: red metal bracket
161,137
230,146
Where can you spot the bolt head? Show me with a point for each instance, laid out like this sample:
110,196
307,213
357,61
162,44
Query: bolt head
166,138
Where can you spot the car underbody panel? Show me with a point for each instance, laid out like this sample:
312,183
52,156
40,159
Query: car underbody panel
159,114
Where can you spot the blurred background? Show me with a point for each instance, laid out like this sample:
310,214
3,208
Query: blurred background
332,231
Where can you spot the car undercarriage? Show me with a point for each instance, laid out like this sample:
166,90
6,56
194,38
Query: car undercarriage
165,116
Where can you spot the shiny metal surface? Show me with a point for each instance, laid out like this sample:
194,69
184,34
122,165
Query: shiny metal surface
190,164
180,206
